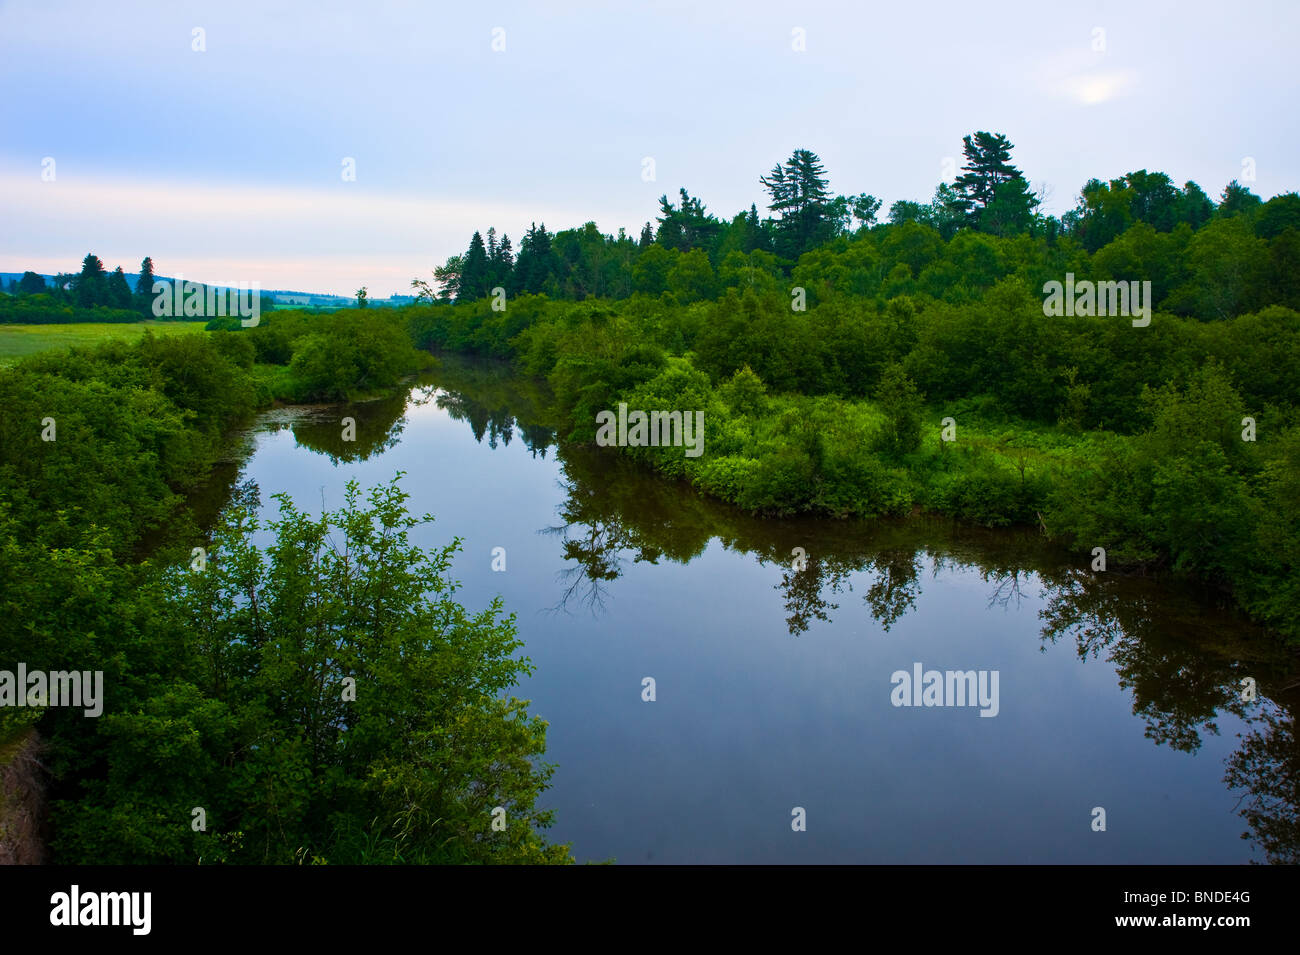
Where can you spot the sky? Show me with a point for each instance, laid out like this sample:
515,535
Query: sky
228,163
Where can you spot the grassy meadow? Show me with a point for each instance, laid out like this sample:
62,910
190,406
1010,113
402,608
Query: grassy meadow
19,341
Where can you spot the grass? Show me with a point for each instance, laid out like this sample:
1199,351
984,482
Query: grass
19,341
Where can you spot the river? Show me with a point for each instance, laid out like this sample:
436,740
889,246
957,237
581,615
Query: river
774,733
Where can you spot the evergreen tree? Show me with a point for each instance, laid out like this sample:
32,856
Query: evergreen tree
670,233
699,228
144,284
492,255
647,237
474,274
118,293
799,193
988,165
754,236
503,265
1237,199
90,286
536,263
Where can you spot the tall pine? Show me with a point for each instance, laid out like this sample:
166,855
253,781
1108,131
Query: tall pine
800,195
144,286
474,273
988,167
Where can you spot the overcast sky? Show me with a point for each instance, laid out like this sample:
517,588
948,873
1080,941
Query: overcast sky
226,165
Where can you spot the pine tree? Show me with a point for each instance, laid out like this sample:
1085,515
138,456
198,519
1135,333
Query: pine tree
144,285
988,165
90,285
647,236
536,261
670,233
474,274
118,293
1237,199
799,193
754,237
504,264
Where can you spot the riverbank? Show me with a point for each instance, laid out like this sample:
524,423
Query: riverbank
1187,465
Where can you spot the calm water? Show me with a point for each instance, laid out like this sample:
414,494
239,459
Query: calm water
773,686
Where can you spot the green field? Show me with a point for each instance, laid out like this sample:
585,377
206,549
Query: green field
19,341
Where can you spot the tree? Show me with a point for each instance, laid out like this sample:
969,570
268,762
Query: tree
501,264
864,209
536,263
1194,206
897,397
1237,200
1279,214
905,210
118,293
670,233
1011,210
691,278
650,273
31,284
647,237
90,286
474,274
1155,199
1227,268
1103,212
144,286
335,702
988,165
446,277
755,232
686,226
800,195
362,301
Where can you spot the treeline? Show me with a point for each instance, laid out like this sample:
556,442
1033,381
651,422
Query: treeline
1142,225
90,295
94,287
322,698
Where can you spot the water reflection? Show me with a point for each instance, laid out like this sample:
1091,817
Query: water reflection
1181,660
